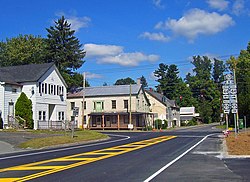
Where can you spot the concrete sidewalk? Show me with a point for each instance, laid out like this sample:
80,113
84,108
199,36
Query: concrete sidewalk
7,148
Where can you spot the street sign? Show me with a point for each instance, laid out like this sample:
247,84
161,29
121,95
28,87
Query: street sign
229,94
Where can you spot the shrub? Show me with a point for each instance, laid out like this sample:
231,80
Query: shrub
192,122
148,128
23,108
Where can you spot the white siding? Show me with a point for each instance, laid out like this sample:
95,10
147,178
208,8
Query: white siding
40,102
2,102
45,101
9,96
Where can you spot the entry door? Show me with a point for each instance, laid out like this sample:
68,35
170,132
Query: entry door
11,109
137,120
51,110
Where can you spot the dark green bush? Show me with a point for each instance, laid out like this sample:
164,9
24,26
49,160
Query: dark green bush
23,108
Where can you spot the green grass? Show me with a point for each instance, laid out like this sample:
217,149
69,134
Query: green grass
79,136
221,126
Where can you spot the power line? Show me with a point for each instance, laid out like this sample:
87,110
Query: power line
179,63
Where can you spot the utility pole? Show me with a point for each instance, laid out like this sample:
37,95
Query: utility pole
130,114
83,99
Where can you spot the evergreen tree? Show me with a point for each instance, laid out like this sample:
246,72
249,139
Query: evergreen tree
168,80
144,82
161,74
204,90
64,49
23,108
125,81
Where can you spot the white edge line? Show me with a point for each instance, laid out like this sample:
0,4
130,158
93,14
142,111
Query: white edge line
68,148
176,159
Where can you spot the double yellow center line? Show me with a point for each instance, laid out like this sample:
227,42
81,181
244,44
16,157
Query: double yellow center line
42,168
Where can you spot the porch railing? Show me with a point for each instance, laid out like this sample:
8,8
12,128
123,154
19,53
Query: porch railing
56,125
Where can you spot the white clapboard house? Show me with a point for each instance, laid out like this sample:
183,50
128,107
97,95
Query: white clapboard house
43,85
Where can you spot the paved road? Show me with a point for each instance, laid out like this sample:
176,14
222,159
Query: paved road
137,156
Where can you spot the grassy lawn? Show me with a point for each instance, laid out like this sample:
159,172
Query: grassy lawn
221,126
79,136
239,145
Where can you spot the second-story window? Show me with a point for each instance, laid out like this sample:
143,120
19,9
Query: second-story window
85,105
98,106
113,104
51,89
125,104
45,88
72,105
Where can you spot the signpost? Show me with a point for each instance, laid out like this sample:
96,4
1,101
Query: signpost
230,103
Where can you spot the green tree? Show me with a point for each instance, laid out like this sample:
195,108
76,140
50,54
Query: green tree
74,81
205,91
24,49
184,96
23,108
218,70
64,49
242,70
125,81
144,82
168,80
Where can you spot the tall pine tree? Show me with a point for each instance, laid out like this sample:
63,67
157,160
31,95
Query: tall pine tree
65,50
144,82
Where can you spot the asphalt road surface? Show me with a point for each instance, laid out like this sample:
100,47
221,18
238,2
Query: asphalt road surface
183,155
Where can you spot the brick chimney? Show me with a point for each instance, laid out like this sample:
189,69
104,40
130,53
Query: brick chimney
138,81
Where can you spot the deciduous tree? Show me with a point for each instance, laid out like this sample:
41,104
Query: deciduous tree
24,49
125,81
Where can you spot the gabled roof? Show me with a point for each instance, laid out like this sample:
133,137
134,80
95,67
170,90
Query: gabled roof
161,98
24,73
113,90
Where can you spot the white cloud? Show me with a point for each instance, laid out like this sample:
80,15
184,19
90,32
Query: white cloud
152,76
112,54
158,4
155,36
128,59
238,7
218,4
94,50
197,22
92,75
76,22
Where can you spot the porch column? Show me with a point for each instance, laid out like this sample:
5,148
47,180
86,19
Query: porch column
118,121
103,121
153,119
153,122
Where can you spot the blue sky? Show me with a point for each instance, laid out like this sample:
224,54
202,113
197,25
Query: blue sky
129,38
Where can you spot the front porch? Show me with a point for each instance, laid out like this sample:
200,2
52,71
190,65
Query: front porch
121,120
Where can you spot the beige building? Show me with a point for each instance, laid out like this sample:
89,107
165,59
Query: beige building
110,107
163,108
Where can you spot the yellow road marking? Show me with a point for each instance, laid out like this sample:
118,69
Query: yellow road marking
9,179
82,158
